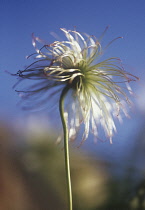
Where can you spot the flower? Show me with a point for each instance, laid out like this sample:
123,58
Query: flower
97,90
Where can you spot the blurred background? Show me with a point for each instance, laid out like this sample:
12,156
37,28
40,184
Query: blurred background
32,172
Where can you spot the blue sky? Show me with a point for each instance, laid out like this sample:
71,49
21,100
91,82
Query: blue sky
20,18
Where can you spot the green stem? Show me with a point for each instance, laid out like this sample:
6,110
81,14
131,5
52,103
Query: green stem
66,146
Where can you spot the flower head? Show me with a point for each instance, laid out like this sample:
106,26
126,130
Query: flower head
97,90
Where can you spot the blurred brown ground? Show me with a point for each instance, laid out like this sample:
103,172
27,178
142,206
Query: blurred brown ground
20,190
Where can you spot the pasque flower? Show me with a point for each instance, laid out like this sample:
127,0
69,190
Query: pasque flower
97,89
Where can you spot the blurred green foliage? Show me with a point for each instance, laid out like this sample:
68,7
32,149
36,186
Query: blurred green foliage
32,177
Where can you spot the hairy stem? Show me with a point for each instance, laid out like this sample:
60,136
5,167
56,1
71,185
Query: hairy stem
66,146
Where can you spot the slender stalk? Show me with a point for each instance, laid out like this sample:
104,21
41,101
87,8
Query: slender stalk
66,146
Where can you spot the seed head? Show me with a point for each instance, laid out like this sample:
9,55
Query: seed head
98,90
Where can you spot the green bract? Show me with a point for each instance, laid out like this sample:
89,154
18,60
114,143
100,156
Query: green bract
97,91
